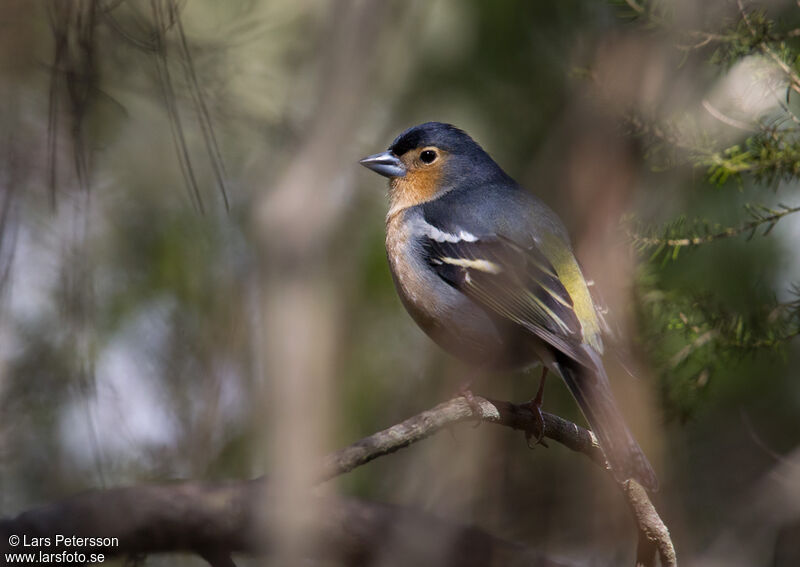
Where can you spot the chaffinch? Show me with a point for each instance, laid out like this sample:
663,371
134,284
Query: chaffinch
487,271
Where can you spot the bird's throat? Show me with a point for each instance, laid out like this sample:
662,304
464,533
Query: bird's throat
414,188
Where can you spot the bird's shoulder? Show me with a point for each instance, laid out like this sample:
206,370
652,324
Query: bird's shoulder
497,209
504,246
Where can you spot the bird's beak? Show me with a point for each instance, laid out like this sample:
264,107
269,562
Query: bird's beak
386,164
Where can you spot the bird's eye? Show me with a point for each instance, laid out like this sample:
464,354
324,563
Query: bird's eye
427,156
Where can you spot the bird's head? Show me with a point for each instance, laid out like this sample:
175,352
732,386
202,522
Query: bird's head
429,160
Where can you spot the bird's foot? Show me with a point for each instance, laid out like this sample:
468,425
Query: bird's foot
535,406
466,393
535,433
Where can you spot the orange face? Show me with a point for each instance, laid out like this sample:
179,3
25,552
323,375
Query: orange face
424,170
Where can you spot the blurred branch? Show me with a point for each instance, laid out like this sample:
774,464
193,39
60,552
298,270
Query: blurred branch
794,79
295,221
192,516
215,520
636,7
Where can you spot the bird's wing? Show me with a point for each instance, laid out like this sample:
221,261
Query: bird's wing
509,254
515,282
537,282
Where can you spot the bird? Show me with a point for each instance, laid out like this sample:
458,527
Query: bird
487,270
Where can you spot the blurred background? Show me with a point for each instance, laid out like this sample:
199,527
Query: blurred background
193,283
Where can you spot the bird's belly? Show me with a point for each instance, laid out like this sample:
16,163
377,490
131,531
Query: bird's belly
455,324
447,316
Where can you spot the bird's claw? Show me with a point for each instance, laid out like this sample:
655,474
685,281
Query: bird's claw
535,406
537,431
473,404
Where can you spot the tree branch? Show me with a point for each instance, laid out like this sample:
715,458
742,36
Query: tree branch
654,536
454,411
216,519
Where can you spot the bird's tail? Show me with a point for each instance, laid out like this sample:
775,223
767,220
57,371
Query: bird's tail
591,390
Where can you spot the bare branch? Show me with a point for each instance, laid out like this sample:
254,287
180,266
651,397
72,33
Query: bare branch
653,534
451,412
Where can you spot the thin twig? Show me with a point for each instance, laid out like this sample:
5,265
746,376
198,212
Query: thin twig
727,233
636,7
725,119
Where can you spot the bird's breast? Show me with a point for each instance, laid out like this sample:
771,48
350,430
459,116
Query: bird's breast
421,294
446,315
